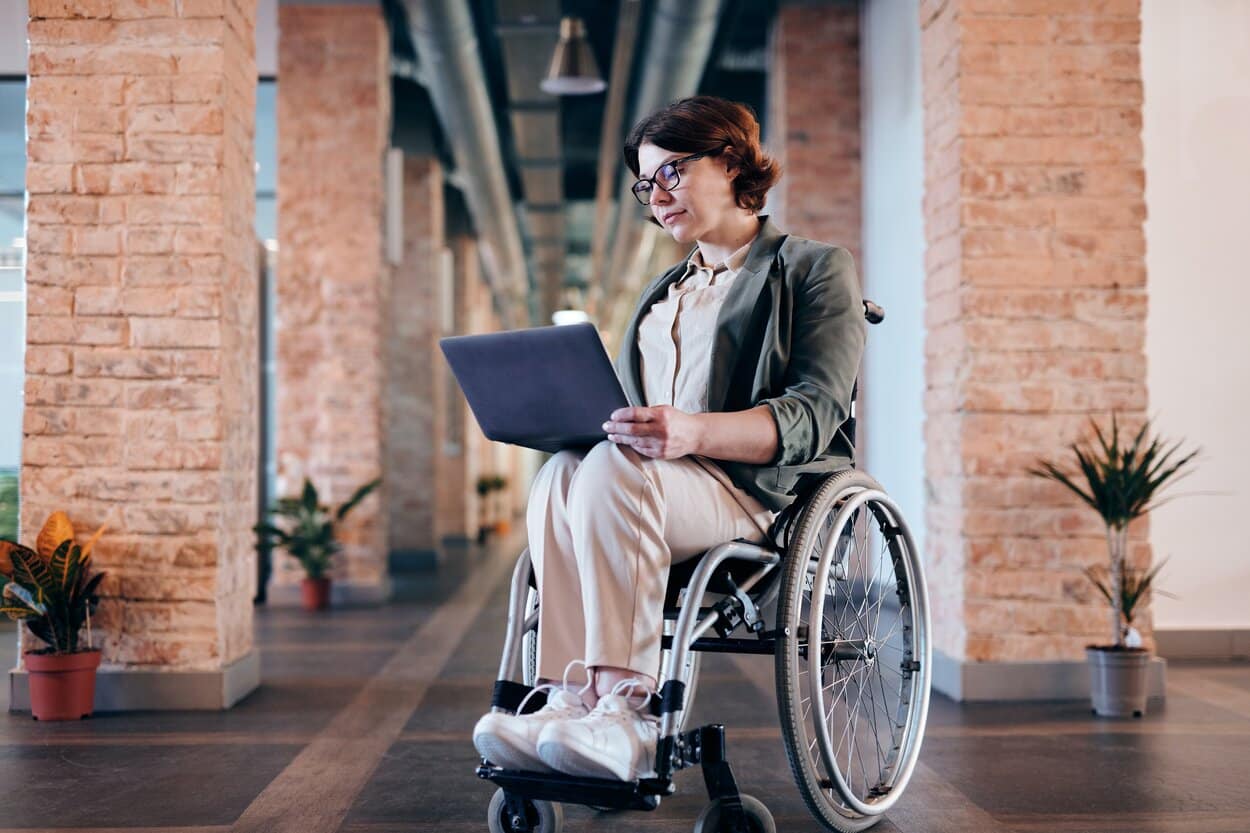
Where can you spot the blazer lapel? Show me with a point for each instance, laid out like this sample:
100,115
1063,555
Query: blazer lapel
735,313
731,321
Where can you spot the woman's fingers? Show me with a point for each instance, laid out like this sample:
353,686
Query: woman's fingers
636,429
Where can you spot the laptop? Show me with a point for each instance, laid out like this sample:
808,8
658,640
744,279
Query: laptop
547,388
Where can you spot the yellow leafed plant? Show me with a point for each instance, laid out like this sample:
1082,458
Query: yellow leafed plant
49,587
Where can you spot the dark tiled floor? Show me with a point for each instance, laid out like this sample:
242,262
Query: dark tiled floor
333,682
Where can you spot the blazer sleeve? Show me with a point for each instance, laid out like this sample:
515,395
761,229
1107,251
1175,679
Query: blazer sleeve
827,343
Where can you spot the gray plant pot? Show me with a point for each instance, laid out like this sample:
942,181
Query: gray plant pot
1118,681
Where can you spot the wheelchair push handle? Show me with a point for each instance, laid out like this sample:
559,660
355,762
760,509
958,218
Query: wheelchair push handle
873,313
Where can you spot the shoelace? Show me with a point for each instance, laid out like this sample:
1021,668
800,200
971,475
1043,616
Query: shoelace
627,685
563,685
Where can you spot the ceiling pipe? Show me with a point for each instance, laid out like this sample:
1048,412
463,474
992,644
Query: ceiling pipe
610,146
676,53
446,44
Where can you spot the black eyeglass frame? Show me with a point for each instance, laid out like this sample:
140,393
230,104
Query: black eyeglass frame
676,176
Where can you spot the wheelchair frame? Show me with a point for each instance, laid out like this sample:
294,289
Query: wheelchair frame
677,749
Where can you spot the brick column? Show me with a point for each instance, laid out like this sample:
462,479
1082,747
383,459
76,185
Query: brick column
333,129
1036,301
417,384
813,121
141,331
459,510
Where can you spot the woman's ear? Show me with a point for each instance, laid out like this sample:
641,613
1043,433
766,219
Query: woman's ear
732,162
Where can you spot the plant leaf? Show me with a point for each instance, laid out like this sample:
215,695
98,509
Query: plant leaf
356,498
7,548
33,573
59,563
56,529
308,500
95,536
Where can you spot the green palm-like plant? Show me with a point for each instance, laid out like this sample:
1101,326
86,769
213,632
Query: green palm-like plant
1121,482
50,587
307,531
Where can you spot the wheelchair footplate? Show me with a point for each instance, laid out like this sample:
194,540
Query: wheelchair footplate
704,746
643,794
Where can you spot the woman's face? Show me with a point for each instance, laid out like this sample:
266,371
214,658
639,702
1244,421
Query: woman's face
702,200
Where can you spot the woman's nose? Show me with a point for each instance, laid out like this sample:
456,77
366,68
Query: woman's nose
660,197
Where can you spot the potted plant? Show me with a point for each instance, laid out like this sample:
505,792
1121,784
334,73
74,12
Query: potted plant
1121,483
52,590
307,533
502,519
485,485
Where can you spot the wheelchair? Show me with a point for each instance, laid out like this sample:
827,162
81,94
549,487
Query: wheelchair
850,637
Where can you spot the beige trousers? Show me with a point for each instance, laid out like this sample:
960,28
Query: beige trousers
604,526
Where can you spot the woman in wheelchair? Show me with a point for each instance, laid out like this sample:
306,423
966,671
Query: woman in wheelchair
745,354
737,449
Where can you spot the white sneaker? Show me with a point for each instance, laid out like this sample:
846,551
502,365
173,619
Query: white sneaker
510,741
616,740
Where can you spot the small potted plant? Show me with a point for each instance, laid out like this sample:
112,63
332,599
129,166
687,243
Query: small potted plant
51,589
1121,483
502,513
485,485
307,533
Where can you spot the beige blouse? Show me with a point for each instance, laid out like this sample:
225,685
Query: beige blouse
675,351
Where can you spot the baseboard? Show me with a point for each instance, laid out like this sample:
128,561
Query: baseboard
137,689
413,561
1018,681
342,594
1203,643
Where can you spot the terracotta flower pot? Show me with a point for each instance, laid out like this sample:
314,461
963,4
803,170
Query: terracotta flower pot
315,593
62,686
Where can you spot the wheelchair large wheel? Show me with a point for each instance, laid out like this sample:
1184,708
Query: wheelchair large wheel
853,652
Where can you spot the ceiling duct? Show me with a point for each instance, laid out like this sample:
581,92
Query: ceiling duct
447,48
677,49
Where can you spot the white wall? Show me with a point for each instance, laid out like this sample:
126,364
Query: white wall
13,37
893,261
1196,73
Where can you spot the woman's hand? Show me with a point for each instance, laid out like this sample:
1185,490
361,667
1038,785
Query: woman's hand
662,431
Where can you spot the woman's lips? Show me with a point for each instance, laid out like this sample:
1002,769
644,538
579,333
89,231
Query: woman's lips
669,218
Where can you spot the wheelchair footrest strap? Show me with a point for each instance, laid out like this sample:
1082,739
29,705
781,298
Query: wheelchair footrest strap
508,696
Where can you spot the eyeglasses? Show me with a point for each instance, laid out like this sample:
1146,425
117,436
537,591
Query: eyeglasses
666,176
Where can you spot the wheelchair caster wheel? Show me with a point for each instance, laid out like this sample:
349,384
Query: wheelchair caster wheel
759,820
533,816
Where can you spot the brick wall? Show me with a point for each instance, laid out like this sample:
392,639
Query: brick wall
333,129
1035,308
813,123
459,505
141,360
416,378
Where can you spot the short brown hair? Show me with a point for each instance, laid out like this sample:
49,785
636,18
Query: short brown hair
705,123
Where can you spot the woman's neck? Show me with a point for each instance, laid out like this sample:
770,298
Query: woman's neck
728,238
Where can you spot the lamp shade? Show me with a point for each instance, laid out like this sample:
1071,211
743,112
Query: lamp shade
573,70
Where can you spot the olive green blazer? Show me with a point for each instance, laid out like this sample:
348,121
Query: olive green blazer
789,335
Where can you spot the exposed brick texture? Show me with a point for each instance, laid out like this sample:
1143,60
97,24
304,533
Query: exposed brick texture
1035,308
417,373
814,122
458,499
333,282
142,336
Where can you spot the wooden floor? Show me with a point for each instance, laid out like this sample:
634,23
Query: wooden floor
362,724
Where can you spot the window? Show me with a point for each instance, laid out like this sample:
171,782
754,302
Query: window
12,294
